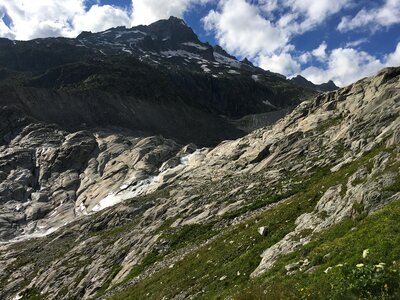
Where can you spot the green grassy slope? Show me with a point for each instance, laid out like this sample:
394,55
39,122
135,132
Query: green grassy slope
222,267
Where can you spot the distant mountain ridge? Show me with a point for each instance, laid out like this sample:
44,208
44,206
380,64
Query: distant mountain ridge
323,87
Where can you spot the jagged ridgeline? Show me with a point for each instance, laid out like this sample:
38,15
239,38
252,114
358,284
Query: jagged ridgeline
306,208
159,79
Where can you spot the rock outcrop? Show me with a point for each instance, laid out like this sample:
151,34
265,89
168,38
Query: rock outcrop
51,177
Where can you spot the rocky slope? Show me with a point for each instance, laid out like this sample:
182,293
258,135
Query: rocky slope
193,222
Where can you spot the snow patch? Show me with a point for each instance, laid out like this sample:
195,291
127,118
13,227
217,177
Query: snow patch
266,102
179,53
233,72
81,209
205,69
126,50
119,34
198,46
227,60
187,158
38,233
141,187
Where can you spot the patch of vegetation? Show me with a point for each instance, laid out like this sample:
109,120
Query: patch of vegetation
343,269
358,207
175,238
114,271
222,268
323,126
395,186
31,294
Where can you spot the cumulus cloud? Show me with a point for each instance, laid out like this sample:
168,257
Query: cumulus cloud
4,30
346,65
282,63
50,18
148,11
32,19
262,29
393,59
47,18
100,18
240,29
311,12
386,15
320,52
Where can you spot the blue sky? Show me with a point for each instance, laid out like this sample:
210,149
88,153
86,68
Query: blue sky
340,40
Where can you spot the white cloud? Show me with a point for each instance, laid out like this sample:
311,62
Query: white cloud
240,29
386,15
281,63
149,11
356,43
305,57
320,52
314,12
393,59
346,65
299,16
50,18
100,18
4,30
269,6
42,18
263,29
45,18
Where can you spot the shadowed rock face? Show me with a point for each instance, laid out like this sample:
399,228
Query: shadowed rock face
159,79
122,195
90,109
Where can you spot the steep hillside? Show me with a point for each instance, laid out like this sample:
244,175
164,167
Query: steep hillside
159,79
285,212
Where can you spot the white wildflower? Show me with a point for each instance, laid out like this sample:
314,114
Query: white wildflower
327,270
359,265
365,253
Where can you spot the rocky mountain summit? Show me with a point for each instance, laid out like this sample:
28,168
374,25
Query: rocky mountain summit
323,87
280,211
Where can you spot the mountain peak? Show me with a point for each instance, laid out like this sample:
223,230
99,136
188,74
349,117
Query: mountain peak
84,34
173,28
324,87
177,20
